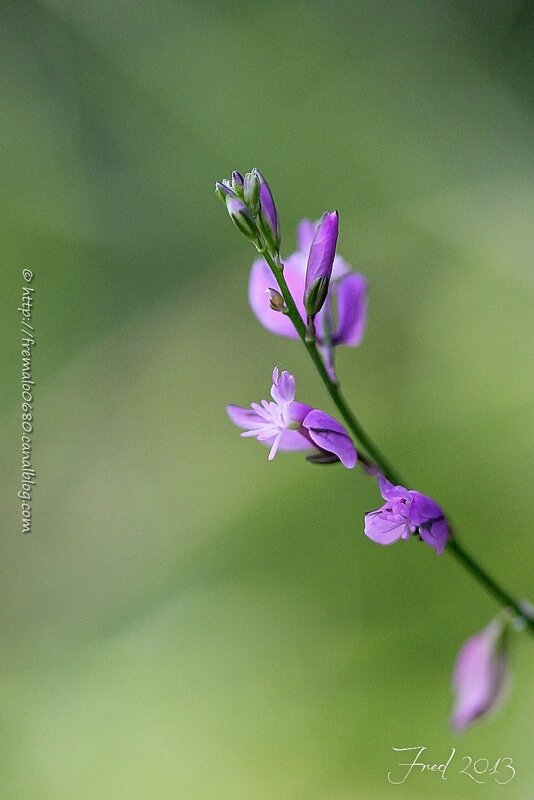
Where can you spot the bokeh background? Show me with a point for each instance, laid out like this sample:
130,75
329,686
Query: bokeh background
187,620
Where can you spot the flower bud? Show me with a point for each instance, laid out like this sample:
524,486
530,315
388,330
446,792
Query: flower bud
251,191
224,190
320,263
268,217
276,301
480,674
237,183
242,217
237,178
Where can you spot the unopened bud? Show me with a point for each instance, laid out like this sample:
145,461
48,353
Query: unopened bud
276,301
316,295
320,263
237,183
223,190
242,217
268,217
251,190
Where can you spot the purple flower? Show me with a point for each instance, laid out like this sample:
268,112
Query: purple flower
343,316
406,512
285,424
320,262
480,674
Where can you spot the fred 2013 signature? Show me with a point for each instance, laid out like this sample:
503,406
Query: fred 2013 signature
480,770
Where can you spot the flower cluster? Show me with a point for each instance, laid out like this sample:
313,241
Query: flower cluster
317,297
250,203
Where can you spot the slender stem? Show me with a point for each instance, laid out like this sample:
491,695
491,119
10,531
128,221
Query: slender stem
492,587
331,387
453,546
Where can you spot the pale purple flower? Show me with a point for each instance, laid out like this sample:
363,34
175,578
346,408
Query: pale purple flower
285,424
320,262
406,512
343,316
480,674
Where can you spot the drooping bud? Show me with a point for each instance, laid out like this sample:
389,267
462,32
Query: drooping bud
242,217
268,217
276,301
320,263
480,674
251,191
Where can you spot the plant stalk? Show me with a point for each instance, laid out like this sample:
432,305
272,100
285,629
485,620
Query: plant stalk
453,545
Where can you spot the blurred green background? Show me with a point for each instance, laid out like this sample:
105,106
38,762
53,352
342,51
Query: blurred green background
187,620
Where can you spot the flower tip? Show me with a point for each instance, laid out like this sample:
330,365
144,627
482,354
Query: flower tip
222,190
320,263
267,213
481,674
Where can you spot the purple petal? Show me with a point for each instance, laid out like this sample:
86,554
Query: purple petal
436,534
267,206
224,189
330,435
322,250
424,508
261,279
283,388
297,412
237,178
351,295
391,492
291,440
385,529
244,417
480,675
320,419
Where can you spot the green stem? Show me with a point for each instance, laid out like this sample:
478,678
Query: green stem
331,387
455,548
372,449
